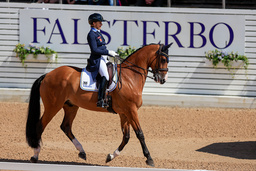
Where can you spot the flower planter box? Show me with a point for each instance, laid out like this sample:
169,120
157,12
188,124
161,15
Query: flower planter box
234,64
41,58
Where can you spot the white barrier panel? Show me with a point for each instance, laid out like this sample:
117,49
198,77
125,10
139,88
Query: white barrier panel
58,167
191,34
188,28
183,100
22,95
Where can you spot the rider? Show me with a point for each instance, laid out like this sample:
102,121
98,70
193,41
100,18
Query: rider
97,61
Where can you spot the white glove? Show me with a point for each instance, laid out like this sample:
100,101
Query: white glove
112,53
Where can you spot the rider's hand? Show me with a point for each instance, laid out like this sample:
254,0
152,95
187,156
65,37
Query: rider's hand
112,53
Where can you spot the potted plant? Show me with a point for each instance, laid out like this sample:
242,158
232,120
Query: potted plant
229,60
34,53
123,53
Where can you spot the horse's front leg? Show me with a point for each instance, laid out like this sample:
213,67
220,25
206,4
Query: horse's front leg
125,126
138,131
146,153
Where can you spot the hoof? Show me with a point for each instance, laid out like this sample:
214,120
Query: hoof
108,159
150,162
33,159
82,155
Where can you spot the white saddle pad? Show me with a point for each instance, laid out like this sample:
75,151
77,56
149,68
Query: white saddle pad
87,83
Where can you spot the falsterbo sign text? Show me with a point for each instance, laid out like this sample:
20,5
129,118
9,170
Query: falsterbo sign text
66,31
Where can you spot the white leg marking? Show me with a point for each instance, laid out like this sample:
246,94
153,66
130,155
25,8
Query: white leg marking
77,144
36,152
115,154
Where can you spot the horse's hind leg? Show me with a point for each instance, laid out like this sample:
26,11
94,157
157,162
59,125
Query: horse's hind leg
66,126
49,113
125,126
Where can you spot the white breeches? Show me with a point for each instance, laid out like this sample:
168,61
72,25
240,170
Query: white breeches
103,67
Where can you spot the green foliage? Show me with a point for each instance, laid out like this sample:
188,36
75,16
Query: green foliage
22,52
123,53
217,56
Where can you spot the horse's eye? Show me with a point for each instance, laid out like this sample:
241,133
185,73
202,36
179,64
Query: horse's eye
163,60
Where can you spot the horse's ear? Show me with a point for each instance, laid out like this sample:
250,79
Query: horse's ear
166,47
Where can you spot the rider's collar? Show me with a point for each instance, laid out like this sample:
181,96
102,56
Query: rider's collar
95,30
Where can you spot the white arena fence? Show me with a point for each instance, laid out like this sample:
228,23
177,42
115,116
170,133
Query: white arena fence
190,81
60,167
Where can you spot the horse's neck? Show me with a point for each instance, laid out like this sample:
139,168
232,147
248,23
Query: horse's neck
144,56
137,66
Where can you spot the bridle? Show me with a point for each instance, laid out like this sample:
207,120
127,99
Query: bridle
160,53
157,69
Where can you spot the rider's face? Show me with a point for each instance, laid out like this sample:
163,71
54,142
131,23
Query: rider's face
97,25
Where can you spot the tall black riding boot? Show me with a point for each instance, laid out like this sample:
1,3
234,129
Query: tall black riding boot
102,92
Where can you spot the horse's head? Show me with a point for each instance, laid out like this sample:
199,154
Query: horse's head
160,64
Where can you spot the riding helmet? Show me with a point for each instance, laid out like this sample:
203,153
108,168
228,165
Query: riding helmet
95,17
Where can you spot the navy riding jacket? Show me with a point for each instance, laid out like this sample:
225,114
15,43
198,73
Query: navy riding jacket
98,47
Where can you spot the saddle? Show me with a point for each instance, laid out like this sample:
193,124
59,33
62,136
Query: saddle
88,84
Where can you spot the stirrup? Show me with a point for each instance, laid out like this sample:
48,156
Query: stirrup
102,104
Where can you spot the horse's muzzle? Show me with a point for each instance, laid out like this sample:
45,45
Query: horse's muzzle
160,78
162,81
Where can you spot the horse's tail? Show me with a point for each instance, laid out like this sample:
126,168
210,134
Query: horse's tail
33,126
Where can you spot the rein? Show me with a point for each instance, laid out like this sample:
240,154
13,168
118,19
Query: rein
134,65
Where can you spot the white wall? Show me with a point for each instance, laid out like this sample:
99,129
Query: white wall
188,75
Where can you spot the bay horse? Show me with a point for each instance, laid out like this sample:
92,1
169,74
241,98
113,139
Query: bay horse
60,88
